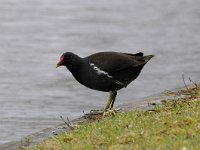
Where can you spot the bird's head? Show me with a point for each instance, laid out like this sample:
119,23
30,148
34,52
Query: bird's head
67,59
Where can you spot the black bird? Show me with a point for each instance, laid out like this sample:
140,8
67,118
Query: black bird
105,71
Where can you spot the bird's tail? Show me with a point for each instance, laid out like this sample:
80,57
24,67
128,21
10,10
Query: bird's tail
142,60
148,57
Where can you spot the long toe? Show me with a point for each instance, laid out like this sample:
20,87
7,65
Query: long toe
109,112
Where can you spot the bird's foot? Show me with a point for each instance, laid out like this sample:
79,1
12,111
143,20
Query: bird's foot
105,113
109,112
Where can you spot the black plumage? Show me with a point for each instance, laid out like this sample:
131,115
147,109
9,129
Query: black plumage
105,71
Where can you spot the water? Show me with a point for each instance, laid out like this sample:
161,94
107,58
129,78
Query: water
34,33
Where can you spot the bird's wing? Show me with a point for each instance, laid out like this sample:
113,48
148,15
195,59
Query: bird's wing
112,62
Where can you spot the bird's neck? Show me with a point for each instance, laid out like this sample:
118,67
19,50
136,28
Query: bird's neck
76,66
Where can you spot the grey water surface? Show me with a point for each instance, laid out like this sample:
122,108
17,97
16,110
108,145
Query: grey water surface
34,33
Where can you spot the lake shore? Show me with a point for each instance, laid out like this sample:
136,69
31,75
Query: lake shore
144,104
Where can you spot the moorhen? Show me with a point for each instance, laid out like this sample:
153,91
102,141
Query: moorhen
105,71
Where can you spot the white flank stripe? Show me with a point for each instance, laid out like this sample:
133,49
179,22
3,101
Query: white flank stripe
99,71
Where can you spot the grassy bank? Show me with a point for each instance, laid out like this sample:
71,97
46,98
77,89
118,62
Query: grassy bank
173,125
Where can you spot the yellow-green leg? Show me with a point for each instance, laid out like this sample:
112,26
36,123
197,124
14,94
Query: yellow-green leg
108,111
111,101
109,104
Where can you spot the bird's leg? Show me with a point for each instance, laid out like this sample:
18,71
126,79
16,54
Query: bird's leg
114,94
110,103
108,111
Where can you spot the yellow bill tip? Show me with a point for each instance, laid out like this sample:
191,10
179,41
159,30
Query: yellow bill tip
57,66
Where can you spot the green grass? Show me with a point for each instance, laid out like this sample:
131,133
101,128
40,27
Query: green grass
173,126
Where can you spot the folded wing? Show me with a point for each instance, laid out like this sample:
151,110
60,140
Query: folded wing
112,62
